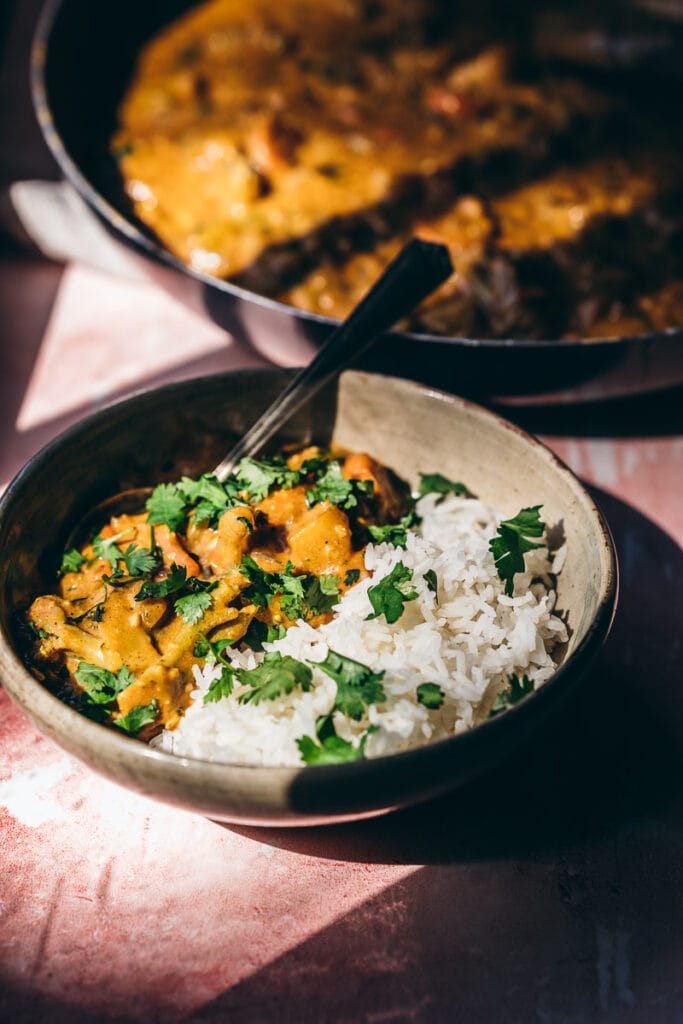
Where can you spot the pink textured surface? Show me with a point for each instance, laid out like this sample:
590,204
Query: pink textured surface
550,893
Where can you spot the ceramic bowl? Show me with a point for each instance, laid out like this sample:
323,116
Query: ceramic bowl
186,428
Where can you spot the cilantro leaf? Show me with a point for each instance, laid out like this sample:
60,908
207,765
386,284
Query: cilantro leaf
101,686
509,545
352,576
205,648
221,687
276,675
107,549
431,580
167,504
191,607
512,695
389,595
357,685
435,483
332,486
259,633
210,497
431,695
394,533
170,584
141,561
71,561
258,477
141,715
321,594
292,590
331,749
259,591
301,594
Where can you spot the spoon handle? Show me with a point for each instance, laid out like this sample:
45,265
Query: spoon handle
418,269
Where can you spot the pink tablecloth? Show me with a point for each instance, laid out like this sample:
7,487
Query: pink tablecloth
550,892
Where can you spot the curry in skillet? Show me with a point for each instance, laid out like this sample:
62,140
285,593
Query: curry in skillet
293,148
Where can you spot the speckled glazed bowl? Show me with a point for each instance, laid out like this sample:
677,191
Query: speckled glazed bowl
186,428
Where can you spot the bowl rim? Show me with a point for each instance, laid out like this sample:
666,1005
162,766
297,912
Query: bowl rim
127,226
61,722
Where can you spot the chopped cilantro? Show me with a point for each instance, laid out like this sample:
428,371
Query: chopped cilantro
191,607
352,576
394,533
292,589
331,749
141,715
41,634
321,594
332,486
221,687
71,561
213,649
259,633
258,477
512,695
389,595
210,498
431,580
357,685
99,684
301,594
170,584
141,561
107,549
276,675
431,695
509,546
167,505
435,483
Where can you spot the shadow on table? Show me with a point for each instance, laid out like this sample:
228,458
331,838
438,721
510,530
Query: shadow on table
610,760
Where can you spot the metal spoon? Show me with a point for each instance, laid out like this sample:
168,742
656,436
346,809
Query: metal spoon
417,271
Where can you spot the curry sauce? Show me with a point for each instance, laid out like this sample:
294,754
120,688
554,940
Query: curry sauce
205,567
293,148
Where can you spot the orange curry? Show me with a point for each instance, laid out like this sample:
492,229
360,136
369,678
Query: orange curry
206,564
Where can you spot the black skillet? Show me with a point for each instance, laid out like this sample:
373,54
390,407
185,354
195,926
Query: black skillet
83,57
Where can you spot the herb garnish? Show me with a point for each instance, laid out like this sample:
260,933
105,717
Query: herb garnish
143,714
107,548
258,477
395,533
332,486
141,561
435,483
357,685
71,561
190,605
277,675
101,686
509,546
515,692
213,650
302,595
331,749
389,595
167,505
430,695
259,633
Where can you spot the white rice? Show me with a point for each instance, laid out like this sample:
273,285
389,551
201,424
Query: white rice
468,638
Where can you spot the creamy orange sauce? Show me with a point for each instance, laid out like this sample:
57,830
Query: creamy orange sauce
97,617
295,147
